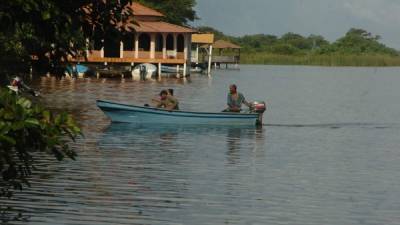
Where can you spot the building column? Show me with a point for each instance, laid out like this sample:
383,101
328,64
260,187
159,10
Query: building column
87,47
209,60
102,49
152,45
137,45
159,69
189,52
197,53
175,45
185,47
121,49
164,49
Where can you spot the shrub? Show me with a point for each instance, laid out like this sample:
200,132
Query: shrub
26,128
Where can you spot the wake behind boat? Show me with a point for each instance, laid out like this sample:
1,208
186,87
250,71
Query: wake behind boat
148,115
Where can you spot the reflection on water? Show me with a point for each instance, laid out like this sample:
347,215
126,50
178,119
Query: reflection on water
234,140
322,158
165,137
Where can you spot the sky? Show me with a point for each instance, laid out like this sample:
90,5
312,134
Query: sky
329,18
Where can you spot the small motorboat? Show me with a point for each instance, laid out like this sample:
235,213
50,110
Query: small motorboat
144,71
148,115
77,70
172,69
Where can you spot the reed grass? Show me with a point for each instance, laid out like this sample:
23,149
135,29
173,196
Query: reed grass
320,60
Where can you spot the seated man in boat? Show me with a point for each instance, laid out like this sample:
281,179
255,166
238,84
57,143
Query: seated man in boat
235,100
167,101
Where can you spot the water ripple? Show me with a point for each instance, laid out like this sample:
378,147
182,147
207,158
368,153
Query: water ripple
298,172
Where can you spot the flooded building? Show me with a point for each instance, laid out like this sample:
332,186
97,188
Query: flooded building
151,41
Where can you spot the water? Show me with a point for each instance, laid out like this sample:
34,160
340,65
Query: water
328,153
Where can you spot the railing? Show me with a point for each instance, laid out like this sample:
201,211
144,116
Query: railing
129,54
225,59
158,55
142,55
94,53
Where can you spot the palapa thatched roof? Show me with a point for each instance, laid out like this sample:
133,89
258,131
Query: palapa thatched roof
222,44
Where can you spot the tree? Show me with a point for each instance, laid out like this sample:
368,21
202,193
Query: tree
50,30
258,42
359,41
176,11
25,130
296,40
317,41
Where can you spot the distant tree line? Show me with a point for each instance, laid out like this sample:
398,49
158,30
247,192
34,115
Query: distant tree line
354,42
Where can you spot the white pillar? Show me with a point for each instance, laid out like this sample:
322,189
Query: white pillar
209,60
102,49
175,45
197,53
159,69
189,52
185,48
152,45
137,45
87,47
184,70
164,49
121,49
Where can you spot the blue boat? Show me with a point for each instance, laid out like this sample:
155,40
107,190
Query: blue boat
148,115
76,70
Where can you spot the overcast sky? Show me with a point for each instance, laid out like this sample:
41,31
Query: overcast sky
329,18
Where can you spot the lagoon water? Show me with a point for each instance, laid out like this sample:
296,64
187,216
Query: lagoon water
328,153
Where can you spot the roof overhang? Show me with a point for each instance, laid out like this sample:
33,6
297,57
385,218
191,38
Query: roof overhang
160,27
203,38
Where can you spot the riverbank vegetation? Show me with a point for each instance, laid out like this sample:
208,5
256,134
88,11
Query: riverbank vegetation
25,130
357,47
43,33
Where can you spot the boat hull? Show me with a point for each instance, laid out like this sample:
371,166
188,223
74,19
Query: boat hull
148,115
150,72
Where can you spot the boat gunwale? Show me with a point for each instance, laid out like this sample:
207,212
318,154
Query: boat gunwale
241,115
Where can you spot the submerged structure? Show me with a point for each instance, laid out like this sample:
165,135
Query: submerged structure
151,41
227,53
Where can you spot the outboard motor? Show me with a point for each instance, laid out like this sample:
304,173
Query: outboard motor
258,107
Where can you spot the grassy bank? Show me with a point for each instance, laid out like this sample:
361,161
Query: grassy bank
320,60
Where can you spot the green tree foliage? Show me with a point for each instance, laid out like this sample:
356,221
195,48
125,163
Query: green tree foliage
317,41
176,11
356,41
296,40
284,49
25,130
53,29
359,41
258,42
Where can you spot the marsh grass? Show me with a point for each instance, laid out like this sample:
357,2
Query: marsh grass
320,60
